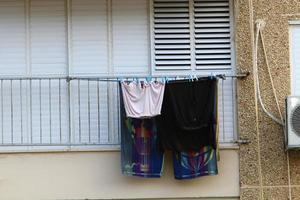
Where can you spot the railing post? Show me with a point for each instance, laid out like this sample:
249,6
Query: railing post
68,80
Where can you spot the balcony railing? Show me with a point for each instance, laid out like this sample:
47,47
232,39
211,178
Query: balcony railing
62,111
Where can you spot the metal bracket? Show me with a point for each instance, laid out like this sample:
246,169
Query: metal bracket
242,75
242,141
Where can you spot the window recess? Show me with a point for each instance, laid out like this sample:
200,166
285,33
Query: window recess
192,35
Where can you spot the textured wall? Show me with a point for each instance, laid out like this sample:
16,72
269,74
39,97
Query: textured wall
266,170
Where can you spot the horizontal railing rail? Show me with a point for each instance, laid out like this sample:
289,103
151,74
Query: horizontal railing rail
78,111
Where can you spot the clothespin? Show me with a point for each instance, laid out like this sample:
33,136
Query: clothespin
221,76
166,80
190,78
195,76
121,80
149,79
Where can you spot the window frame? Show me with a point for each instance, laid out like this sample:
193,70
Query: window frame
292,23
194,70
151,71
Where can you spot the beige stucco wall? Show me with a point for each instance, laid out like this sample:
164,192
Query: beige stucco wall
96,175
267,171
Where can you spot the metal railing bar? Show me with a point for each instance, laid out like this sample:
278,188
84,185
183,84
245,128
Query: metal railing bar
79,112
59,110
11,112
2,115
89,111
118,78
98,109
119,113
223,112
30,109
233,108
50,111
95,137
108,111
70,121
31,77
41,122
21,113
55,144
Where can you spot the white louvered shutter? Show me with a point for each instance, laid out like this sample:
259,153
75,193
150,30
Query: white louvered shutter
175,53
295,52
212,34
172,43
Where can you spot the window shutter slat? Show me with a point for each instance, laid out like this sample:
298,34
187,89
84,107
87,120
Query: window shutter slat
212,34
172,35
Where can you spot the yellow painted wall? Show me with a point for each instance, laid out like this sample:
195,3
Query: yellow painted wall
96,175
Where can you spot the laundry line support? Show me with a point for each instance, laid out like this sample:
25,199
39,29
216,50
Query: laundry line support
163,77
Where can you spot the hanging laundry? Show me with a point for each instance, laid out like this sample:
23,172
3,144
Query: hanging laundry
188,119
142,99
140,155
188,165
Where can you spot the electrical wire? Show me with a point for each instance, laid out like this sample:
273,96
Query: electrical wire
259,25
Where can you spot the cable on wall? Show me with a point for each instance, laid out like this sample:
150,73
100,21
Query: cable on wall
260,24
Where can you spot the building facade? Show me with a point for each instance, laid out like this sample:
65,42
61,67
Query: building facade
59,122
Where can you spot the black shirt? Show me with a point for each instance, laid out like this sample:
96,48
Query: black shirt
188,119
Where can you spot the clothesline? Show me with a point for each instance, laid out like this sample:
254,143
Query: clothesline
119,78
159,77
